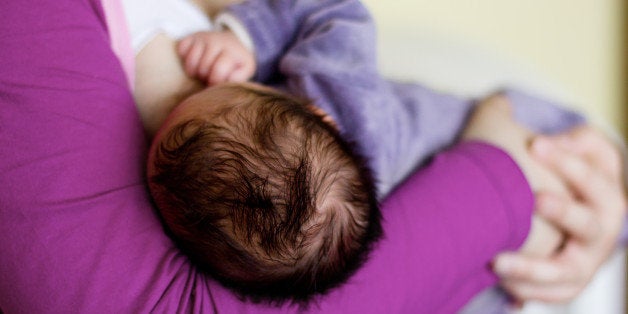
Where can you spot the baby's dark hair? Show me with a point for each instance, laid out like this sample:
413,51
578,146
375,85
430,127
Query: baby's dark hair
266,197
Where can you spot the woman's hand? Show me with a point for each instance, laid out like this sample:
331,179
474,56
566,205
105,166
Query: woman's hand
591,166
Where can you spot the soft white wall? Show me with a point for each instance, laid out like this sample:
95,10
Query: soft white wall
575,43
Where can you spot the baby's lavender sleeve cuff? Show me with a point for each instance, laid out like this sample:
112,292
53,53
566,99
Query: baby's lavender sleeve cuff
228,21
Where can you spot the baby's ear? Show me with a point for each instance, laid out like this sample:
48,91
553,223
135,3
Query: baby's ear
325,117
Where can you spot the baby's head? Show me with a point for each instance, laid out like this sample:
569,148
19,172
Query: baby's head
263,194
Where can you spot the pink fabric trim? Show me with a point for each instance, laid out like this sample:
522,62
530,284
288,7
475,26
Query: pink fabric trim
120,38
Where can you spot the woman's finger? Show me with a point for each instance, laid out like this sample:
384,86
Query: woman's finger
593,146
525,291
585,181
568,215
522,268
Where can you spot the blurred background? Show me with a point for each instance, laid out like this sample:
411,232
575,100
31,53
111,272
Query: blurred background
572,51
578,47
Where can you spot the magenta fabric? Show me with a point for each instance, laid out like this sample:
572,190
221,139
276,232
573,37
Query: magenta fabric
78,233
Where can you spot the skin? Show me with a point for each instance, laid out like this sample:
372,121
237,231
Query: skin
495,113
216,57
591,166
590,211
160,82
167,71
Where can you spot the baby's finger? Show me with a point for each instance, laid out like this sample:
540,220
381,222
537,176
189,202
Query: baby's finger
568,215
193,58
237,76
241,73
207,61
221,69
184,45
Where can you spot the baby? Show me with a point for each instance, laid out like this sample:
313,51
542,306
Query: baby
262,193
259,186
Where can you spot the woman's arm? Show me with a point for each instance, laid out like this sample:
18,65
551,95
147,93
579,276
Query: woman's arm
79,234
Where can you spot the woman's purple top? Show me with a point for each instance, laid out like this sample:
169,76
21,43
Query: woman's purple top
78,232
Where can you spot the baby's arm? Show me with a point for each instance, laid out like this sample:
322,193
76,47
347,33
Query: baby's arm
216,57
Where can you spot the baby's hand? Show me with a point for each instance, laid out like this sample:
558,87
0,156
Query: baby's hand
591,166
216,57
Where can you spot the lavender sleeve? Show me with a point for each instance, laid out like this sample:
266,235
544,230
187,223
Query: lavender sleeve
78,232
329,56
325,51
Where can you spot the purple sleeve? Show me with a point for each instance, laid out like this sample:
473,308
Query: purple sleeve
78,233
325,51
275,26
328,55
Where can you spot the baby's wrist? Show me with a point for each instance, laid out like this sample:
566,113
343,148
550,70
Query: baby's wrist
228,22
